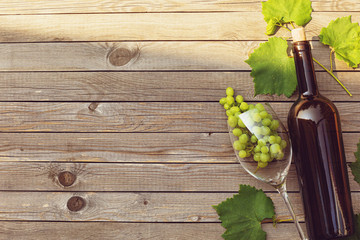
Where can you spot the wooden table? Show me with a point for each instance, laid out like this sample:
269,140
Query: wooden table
110,122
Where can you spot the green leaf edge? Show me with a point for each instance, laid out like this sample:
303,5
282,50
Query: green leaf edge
355,164
256,92
354,65
248,187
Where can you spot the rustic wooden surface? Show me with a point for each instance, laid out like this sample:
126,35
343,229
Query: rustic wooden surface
116,103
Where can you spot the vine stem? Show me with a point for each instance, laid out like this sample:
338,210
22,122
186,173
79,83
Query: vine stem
292,25
331,60
328,71
282,26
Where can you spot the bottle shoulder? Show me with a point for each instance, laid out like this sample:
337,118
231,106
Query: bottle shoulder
319,106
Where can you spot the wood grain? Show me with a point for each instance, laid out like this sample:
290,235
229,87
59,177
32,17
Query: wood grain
128,147
28,176
128,206
152,86
139,56
130,231
134,26
137,117
103,6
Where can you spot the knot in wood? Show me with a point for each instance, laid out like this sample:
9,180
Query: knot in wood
66,178
76,203
120,56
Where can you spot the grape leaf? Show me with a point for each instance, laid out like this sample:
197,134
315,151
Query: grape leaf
272,69
356,235
344,38
285,11
355,166
242,214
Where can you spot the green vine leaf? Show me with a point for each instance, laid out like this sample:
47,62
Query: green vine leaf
286,11
343,37
272,69
355,166
242,214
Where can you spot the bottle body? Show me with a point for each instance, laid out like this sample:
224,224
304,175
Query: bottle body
321,167
315,131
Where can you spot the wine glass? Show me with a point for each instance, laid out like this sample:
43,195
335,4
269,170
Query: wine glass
274,170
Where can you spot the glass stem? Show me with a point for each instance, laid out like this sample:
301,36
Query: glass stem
283,192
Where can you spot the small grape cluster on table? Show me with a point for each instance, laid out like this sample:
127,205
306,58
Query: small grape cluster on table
255,128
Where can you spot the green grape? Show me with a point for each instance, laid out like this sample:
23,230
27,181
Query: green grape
283,144
260,107
264,157
239,99
275,148
253,139
244,138
265,130
234,109
257,157
228,113
280,156
222,101
244,106
272,139
230,100
241,124
266,138
251,107
262,164
270,116
237,115
249,122
256,130
226,106
278,139
237,132
266,122
261,142
264,149
257,148
242,153
274,125
229,91
238,145
232,121
263,114
256,117
253,111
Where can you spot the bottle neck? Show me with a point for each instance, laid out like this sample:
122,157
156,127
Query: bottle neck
305,71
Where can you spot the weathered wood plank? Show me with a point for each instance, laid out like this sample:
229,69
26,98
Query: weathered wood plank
139,56
137,117
102,6
29,176
127,206
128,147
155,26
152,86
130,207
130,231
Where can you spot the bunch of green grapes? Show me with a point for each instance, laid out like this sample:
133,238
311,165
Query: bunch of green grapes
255,129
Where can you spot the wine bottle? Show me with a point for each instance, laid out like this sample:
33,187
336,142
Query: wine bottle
315,132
